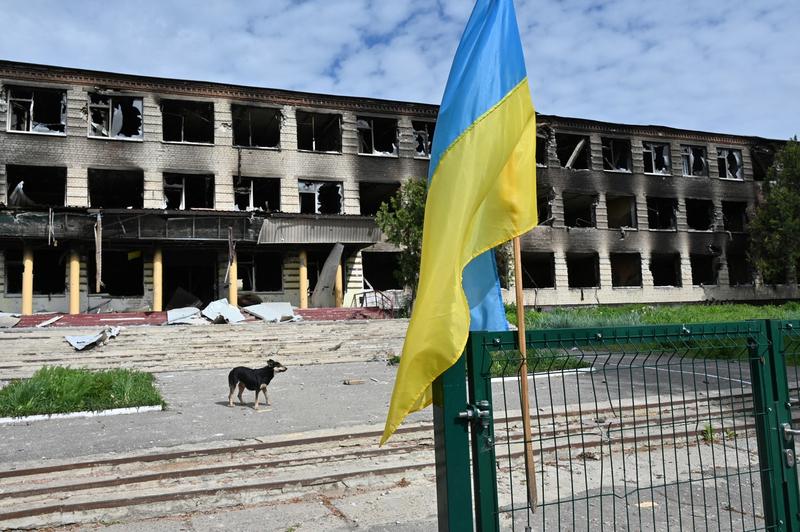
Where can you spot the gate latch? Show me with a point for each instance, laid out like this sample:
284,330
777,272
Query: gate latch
478,413
789,432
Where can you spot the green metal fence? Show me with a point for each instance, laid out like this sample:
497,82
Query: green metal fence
634,428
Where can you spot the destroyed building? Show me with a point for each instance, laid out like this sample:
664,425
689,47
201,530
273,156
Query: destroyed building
122,192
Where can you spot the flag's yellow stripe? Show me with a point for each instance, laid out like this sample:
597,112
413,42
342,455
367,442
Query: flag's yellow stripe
482,194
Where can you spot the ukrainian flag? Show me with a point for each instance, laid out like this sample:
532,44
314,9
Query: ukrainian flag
481,193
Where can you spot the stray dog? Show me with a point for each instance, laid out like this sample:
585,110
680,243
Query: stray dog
253,379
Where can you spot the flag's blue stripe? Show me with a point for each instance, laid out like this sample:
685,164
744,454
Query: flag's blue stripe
487,65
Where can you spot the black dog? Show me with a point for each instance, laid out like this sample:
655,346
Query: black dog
253,379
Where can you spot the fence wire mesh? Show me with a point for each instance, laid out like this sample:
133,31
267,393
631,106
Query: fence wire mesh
637,428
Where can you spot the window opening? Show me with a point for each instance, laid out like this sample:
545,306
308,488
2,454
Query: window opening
423,136
260,272
29,186
626,269
583,270
188,191
704,270
666,269
122,272
319,132
37,110
377,136
739,270
729,163
694,160
616,154
116,189
621,212
187,121
656,158
372,195
661,213
572,151
700,214
538,270
256,127
256,193
380,270
579,210
734,216
320,197
117,117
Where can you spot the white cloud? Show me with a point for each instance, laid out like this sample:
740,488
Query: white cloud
716,66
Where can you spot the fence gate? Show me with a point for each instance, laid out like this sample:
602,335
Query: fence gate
633,428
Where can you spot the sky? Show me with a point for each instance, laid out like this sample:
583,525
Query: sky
730,66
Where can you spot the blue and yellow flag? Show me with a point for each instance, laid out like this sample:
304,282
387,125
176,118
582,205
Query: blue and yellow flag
481,193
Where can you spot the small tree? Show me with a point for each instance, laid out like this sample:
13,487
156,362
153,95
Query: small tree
775,229
401,221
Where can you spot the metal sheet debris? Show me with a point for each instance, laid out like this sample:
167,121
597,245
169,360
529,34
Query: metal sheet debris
81,342
8,319
50,321
183,315
273,312
222,310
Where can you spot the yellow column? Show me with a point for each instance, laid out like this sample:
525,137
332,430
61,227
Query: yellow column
303,280
74,282
158,278
233,282
337,286
27,281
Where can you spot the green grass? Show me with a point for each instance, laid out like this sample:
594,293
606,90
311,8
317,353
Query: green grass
506,363
56,390
604,316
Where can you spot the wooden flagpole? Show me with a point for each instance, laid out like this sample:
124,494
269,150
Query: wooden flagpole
530,464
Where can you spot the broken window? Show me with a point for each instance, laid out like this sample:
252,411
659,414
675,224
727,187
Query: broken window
116,189
704,269
187,121
188,191
423,136
666,269
122,273
49,271
739,270
763,158
380,270
656,158
579,210
661,213
116,117
544,206
729,163
542,145
377,136
29,186
257,193
695,160
260,272
372,195
538,270
37,110
616,154
573,151
621,211
734,216
256,127
626,269
319,131
320,197
700,214
583,270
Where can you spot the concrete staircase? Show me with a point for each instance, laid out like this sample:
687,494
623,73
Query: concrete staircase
184,347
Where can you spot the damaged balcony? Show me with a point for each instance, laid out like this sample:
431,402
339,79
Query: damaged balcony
694,160
256,127
320,132
579,209
372,195
662,213
282,228
538,270
187,121
616,154
320,197
656,158
729,163
626,270
666,269
115,117
700,214
257,194
423,137
377,136
573,151
116,189
621,211
35,110
32,186
188,191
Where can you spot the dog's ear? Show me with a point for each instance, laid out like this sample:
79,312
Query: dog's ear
270,363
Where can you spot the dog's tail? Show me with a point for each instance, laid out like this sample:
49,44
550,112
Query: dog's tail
232,378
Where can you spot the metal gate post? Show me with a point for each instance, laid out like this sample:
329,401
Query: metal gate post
484,469
784,437
451,437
